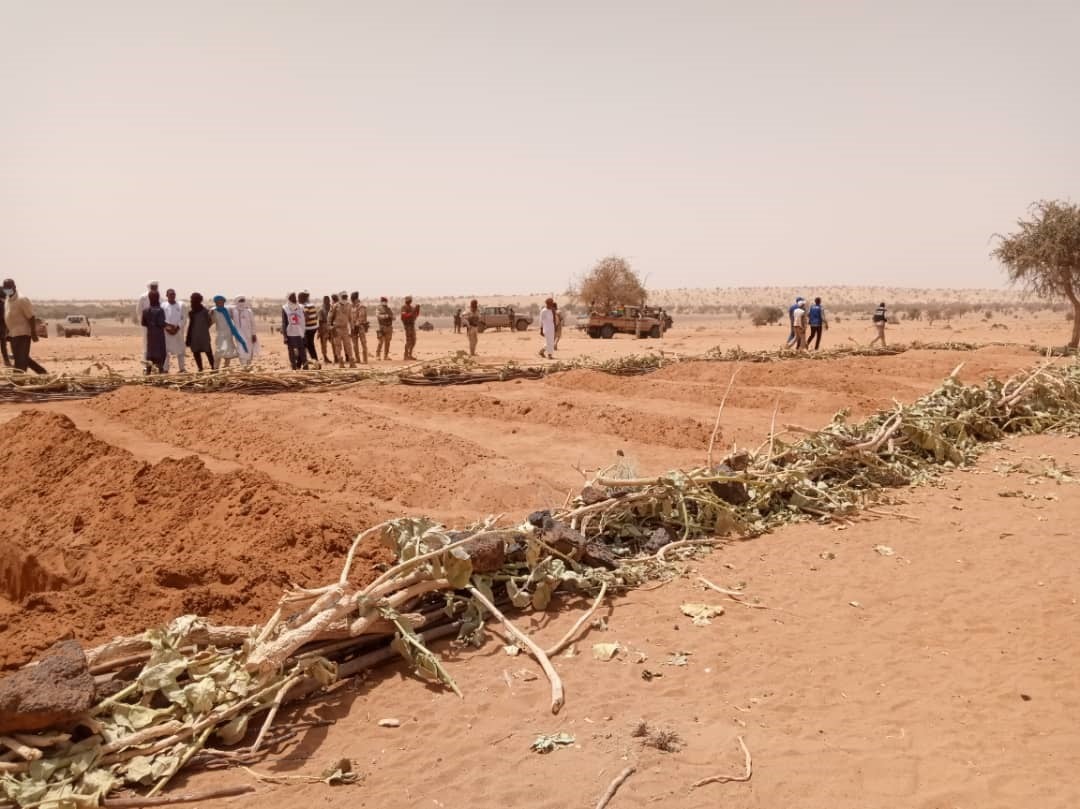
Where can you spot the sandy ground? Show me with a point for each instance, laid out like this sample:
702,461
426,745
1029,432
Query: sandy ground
951,684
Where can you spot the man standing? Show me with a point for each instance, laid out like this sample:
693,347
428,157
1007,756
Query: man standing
409,313
340,327
384,318
880,319
311,328
324,326
547,329
458,318
818,321
292,328
175,330
3,332
21,327
471,319
142,306
359,328
244,319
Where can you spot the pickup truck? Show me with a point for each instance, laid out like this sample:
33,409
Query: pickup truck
73,325
504,317
623,320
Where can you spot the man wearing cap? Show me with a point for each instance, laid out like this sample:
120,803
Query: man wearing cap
384,318
340,328
359,327
21,327
792,340
409,313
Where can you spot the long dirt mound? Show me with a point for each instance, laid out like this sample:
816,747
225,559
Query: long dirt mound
94,541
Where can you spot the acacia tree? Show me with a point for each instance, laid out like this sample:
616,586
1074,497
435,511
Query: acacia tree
1044,255
611,282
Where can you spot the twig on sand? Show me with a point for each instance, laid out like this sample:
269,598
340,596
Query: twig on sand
725,779
772,432
661,555
557,694
569,636
137,803
716,426
733,595
614,786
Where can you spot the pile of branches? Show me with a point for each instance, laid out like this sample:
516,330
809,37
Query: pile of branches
190,693
456,369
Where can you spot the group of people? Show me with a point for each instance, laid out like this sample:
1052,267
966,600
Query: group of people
342,323
171,329
808,322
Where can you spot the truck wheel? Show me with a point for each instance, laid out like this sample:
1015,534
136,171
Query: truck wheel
642,335
607,331
522,324
654,332
594,332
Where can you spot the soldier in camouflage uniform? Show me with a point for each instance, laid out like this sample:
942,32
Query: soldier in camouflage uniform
471,319
340,329
384,317
409,313
359,327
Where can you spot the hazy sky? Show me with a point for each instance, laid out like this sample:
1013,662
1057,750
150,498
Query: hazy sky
456,147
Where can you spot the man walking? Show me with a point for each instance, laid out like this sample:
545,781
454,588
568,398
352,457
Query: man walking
340,329
799,321
292,329
311,328
791,340
409,313
175,330
818,321
471,320
880,319
547,329
384,319
359,328
21,327
244,319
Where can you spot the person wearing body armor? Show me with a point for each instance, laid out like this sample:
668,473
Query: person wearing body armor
341,329
311,328
409,313
471,319
359,328
880,319
818,321
292,329
384,317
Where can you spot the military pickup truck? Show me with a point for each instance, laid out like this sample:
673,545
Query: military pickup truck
503,317
623,320
73,325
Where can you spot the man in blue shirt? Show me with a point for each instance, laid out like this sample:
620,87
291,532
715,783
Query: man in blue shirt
818,321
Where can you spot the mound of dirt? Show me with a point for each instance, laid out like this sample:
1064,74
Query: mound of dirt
95,543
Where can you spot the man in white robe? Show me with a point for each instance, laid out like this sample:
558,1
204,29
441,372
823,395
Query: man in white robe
244,318
547,328
175,330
